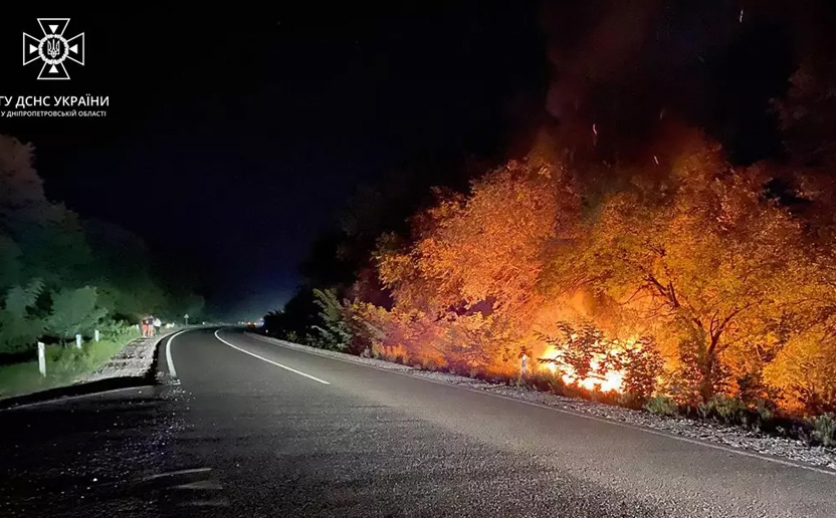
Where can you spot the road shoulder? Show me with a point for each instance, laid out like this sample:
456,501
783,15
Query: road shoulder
135,365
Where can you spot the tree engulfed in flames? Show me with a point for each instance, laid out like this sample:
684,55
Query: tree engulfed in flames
694,253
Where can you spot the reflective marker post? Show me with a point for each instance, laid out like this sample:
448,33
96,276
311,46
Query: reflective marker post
41,358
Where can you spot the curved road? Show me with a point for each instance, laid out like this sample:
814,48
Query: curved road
257,429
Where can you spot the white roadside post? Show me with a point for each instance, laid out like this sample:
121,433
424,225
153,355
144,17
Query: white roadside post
41,358
96,335
78,341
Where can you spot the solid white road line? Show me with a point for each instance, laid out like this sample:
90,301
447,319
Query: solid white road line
271,362
168,359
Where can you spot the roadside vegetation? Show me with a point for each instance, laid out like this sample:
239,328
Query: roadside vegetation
62,275
671,280
64,365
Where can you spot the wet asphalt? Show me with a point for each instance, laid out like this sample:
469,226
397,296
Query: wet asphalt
307,435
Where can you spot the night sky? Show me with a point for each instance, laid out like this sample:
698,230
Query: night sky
233,140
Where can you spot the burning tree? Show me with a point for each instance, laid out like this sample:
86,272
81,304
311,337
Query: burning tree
695,261
475,263
705,260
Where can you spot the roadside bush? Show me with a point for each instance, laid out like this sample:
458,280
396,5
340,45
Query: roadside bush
20,325
585,350
704,410
642,365
765,416
661,405
115,329
725,409
431,364
335,333
629,400
824,429
63,366
74,311
764,411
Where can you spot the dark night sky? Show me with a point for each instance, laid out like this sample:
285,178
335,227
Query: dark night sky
232,139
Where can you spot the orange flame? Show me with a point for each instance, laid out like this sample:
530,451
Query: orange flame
598,377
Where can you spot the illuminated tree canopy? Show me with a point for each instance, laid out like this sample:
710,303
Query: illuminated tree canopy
676,273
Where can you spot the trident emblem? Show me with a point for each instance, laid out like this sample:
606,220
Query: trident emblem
53,48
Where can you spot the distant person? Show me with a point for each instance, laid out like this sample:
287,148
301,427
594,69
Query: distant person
157,325
146,331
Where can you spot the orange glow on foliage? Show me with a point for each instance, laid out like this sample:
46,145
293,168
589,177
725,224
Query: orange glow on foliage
721,289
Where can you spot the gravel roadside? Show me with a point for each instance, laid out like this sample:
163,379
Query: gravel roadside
709,431
135,360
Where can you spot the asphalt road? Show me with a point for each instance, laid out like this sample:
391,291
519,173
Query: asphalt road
256,429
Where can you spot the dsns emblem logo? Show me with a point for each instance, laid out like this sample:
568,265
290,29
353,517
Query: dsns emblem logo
53,48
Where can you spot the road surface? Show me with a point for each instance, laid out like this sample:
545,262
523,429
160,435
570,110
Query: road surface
256,429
